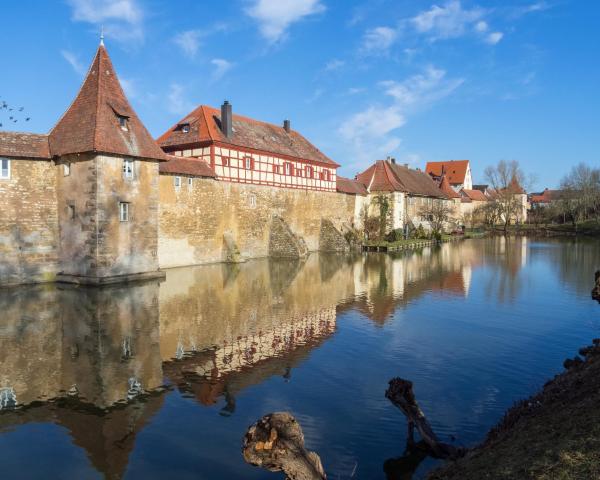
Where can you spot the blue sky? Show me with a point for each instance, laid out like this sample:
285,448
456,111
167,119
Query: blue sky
419,80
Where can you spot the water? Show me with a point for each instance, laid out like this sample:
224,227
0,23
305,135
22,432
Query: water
162,380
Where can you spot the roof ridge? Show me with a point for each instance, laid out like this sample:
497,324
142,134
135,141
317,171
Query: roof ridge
95,141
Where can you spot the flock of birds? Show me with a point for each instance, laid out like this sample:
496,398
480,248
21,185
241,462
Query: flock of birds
13,113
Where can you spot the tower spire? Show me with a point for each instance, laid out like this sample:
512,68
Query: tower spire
102,35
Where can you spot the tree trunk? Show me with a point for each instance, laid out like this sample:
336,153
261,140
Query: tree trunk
276,443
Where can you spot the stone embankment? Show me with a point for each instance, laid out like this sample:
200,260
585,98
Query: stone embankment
408,244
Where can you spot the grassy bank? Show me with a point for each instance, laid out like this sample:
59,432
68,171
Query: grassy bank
588,228
417,241
553,435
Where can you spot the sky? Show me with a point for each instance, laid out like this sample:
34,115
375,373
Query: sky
361,79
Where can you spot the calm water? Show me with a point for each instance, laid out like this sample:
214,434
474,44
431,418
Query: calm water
162,380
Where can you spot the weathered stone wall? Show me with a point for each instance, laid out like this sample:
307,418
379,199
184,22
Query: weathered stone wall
28,223
331,239
194,218
93,241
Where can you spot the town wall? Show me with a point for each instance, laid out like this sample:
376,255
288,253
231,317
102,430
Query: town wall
196,218
28,223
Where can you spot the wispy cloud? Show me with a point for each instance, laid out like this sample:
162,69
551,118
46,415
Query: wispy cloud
73,60
378,40
372,131
448,21
177,103
333,65
122,19
188,41
274,17
221,67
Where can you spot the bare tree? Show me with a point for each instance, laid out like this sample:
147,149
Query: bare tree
439,215
508,182
580,197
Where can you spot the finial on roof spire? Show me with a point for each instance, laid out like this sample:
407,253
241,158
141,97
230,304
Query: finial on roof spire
102,35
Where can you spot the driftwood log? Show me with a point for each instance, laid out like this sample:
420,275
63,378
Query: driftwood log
276,443
400,393
596,290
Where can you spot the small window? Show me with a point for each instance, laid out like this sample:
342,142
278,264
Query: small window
308,171
123,122
248,163
275,168
185,128
66,169
252,201
177,182
298,172
190,182
71,211
123,211
4,168
128,168
225,161
288,168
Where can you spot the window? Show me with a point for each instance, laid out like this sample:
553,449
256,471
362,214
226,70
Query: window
326,175
123,211
71,211
190,182
225,161
177,182
4,168
298,172
275,168
185,128
123,122
252,201
248,163
288,168
66,169
128,168
308,172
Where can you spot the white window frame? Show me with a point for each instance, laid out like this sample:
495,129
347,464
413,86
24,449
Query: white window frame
288,168
248,163
177,182
124,212
252,200
128,166
66,169
4,176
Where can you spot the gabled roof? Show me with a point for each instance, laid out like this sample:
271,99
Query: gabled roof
447,189
546,196
455,170
385,176
515,187
91,123
186,166
474,195
24,145
205,127
352,187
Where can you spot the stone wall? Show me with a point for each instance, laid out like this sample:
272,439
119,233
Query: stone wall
28,223
194,218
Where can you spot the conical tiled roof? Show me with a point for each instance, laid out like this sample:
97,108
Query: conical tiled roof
447,189
91,124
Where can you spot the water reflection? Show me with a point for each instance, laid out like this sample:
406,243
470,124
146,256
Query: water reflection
100,362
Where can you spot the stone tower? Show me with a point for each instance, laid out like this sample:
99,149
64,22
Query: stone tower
107,184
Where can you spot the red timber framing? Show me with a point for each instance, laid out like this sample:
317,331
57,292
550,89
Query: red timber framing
258,167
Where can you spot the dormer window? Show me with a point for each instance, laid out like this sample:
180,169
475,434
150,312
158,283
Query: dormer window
185,128
123,122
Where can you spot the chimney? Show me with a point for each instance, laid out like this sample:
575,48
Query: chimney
287,125
406,165
393,160
226,119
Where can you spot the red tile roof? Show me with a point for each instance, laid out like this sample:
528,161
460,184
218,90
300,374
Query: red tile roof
546,196
205,127
24,145
515,187
186,166
475,195
352,187
455,170
91,123
385,176
447,189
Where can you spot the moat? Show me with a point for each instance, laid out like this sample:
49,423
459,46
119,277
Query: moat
161,380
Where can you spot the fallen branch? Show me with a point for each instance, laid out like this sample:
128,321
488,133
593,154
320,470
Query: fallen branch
400,393
276,443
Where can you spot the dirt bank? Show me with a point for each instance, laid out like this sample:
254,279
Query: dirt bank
554,434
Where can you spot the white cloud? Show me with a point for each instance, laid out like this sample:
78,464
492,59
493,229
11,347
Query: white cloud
129,88
70,57
221,67
188,41
378,40
333,65
494,37
481,26
177,103
275,16
122,19
372,130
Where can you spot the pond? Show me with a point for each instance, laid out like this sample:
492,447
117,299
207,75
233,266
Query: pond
161,380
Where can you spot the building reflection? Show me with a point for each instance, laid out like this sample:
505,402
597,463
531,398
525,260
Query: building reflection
100,361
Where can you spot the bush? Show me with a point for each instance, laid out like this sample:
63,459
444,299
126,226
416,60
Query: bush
395,235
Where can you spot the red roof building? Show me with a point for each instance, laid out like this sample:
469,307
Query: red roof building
458,172
244,150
